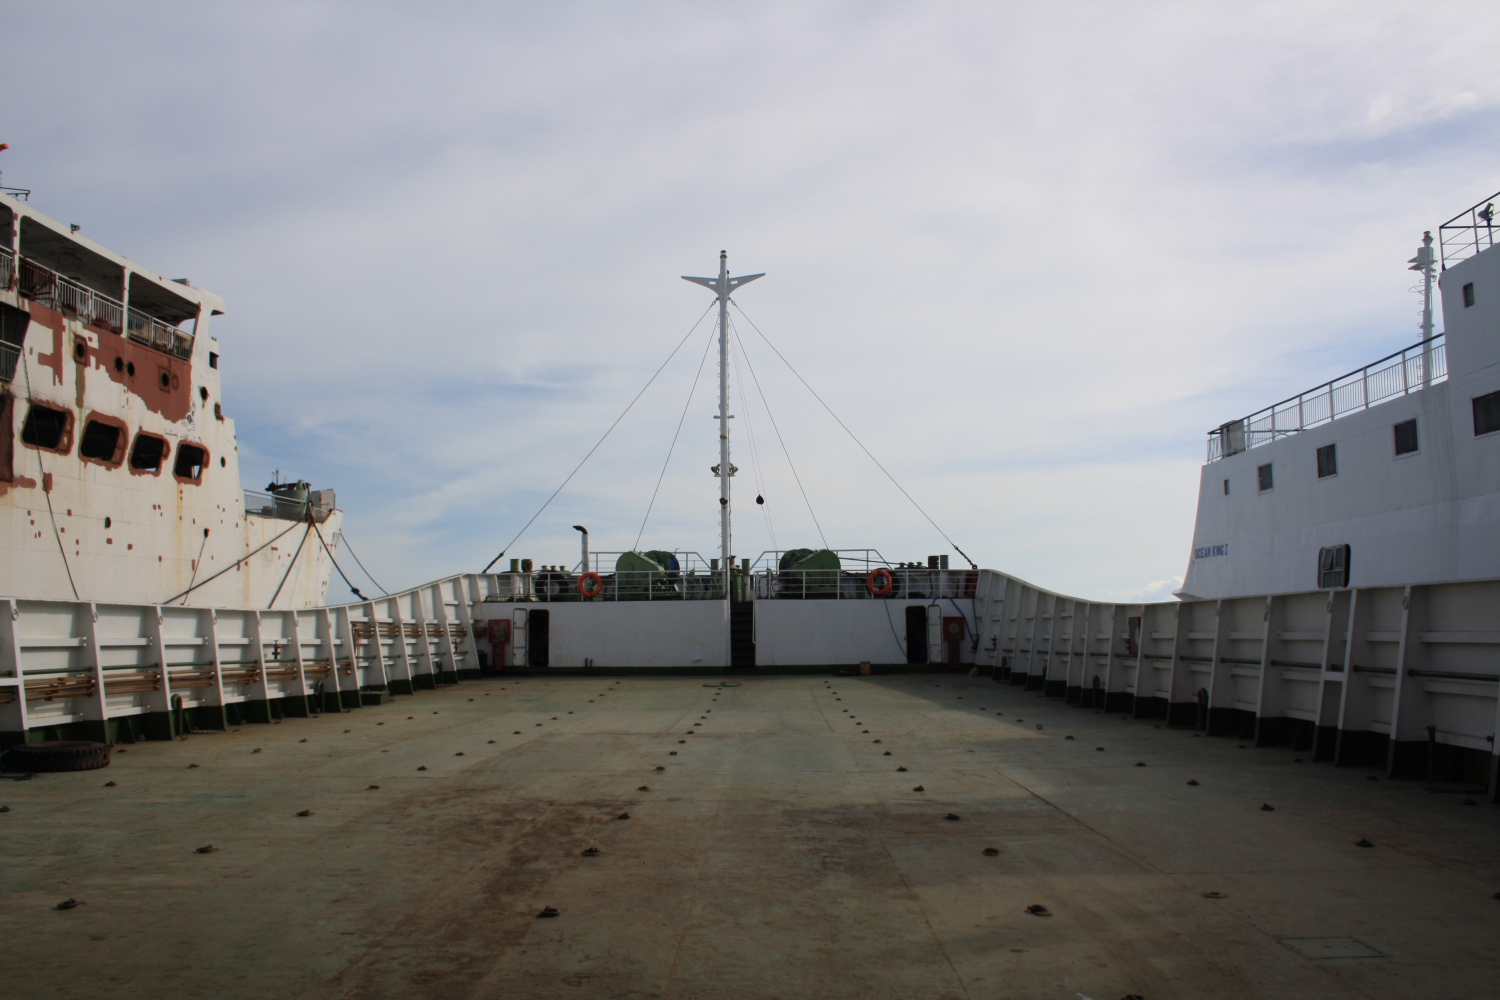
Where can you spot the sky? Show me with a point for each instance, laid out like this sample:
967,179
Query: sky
1028,253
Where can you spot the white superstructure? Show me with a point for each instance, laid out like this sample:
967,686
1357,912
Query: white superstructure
119,470
1387,476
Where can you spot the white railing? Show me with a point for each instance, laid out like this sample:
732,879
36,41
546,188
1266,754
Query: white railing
159,334
7,269
9,355
1406,371
42,284
1470,232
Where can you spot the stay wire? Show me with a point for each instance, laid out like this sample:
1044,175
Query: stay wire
852,436
289,567
243,559
680,420
777,428
46,490
595,448
352,587
361,565
760,483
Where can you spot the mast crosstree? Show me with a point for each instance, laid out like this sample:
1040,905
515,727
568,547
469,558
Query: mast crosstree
722,286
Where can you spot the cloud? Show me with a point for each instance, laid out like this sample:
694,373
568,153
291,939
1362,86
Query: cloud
1028,253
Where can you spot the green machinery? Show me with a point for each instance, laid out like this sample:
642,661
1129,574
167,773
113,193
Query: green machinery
651,575
809,573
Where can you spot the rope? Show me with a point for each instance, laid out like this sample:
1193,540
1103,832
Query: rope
46,493
289,568
362,565
754,378
595,448
701,362
760,485
242,559
335,562
199,561
852,437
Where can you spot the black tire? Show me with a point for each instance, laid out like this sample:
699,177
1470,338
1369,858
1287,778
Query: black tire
58,755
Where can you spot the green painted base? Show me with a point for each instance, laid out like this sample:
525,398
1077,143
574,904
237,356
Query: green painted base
374,697
1148,708
1234,722
401,687
424,682
1055,689
1118,701
1359,749
1184,714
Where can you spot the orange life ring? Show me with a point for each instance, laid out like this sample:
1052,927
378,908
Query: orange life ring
880,590
586,590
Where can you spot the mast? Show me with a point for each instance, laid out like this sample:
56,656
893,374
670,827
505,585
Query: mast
722,286
1423,263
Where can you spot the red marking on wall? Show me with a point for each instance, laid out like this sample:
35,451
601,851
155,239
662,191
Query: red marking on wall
173,403
57,323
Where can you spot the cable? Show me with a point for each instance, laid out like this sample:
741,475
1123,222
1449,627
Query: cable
754,378
242,559
760,485
595,448
701,362
289,567
198,562
856,440
345,536
335,562
47,493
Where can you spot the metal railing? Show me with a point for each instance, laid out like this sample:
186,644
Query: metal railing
7,269
156,333
44,285
1409,370
286,508
894,583
1470,232
9,355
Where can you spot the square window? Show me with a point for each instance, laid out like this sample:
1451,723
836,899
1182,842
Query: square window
147,453
1333,567
46,427
1486,413
1406,437
1468,295
1226,487
1263,475
1328,461
100,441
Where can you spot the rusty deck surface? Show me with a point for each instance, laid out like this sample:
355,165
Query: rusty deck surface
780,854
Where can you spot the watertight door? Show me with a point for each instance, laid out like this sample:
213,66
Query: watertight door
538,628
916,634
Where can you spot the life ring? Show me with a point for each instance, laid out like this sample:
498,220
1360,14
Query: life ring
591,584
883,588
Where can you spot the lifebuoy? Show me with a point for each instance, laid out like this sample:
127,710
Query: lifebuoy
884,587
590,584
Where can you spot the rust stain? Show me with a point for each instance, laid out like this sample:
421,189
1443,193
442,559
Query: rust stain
140,369
57,323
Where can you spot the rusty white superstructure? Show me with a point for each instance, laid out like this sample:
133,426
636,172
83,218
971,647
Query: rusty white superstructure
119,470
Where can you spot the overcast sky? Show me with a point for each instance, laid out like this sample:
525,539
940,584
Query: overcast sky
1029,253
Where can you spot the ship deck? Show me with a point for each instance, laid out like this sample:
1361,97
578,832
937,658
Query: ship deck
779,854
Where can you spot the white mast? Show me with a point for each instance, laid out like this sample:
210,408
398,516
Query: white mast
721,287
1423,263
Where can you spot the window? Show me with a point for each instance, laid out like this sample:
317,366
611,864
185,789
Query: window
1486,413
1263,474
1328,461
1333,567
190,462
1468,295
213,360
147,453
101,442
47,427
1226,487
1406,437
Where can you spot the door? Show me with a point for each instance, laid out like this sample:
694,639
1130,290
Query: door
538,626
916,634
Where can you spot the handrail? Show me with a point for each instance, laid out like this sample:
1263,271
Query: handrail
7,268
42,284
1420,365
1462,241
9,355
155,333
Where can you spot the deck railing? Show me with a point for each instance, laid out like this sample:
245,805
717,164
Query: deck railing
42,284
7,269
1410,370
9,355
1470,232
163,336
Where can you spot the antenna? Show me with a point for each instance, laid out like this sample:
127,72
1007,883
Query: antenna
721,287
